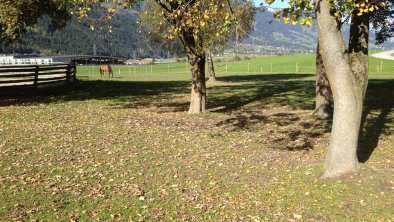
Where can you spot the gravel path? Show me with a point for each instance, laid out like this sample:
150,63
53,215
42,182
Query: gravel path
385,55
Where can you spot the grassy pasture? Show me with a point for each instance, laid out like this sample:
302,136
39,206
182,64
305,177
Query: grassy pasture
124,149
379,69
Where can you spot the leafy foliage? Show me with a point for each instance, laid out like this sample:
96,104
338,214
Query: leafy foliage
17,15
383,21
201,20
303,10
217,24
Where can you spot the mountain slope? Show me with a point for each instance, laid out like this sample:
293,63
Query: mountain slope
269,32
78,38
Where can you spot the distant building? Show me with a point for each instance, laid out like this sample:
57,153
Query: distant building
146,61
31,60
47,60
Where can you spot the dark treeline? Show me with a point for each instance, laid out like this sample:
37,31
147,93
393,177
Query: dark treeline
79,38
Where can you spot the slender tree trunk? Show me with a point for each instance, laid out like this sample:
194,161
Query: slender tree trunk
323,108
358,50
341,157
211,68
358,55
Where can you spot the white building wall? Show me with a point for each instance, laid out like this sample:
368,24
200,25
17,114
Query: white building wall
6,60
10,60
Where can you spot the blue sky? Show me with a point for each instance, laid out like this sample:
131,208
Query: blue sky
277,4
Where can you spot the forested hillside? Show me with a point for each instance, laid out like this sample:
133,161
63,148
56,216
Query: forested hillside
77,38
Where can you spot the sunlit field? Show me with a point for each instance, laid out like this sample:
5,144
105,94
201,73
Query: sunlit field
303,64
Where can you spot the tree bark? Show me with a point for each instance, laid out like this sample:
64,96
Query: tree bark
358,55
211,68
198,94
358,50
348,96
323,108
196,57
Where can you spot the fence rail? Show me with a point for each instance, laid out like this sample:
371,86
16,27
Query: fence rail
35,76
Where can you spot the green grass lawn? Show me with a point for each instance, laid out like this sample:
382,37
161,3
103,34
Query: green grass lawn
125,149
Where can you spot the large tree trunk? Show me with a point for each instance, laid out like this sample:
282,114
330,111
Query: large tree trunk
196,56
323,108
198,93
211,68
347,93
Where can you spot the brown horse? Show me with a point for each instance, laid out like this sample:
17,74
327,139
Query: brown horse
106,68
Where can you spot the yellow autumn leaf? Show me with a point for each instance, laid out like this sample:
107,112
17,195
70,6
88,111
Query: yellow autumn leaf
286,20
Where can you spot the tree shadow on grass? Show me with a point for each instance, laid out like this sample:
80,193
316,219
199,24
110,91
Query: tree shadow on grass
129,94
264,91
137,93
278,103
242,90
244,100
377,117
283,130
261,92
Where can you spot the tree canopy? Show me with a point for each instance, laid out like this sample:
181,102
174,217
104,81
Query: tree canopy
17,15
215,23
383,21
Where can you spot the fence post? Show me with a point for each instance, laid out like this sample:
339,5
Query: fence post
381,66
168,68
68,73
74,72
248,67
271,67
226,67
296,67
261,69
36,76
